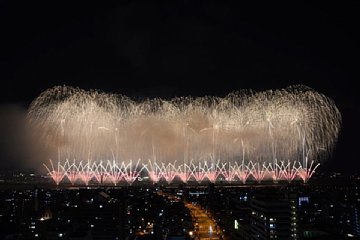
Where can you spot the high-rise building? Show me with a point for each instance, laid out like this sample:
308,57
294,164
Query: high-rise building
274,218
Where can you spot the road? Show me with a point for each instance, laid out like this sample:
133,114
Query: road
205,226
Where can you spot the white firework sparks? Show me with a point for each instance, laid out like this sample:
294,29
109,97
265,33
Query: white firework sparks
278,135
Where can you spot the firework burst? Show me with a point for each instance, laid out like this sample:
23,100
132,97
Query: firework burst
277,135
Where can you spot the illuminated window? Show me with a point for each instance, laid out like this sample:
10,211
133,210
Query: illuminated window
236,224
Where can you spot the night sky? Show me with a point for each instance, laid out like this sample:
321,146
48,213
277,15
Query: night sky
189,48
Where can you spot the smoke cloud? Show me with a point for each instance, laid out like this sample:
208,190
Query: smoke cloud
67,124
18,148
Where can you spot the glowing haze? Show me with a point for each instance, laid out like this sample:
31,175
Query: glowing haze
257,132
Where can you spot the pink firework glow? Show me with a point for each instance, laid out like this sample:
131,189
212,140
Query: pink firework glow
113,173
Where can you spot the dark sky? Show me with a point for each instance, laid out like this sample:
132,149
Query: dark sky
187,48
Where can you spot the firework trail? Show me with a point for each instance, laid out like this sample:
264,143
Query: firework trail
278,135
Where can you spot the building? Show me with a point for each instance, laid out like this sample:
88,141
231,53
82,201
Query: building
274,218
